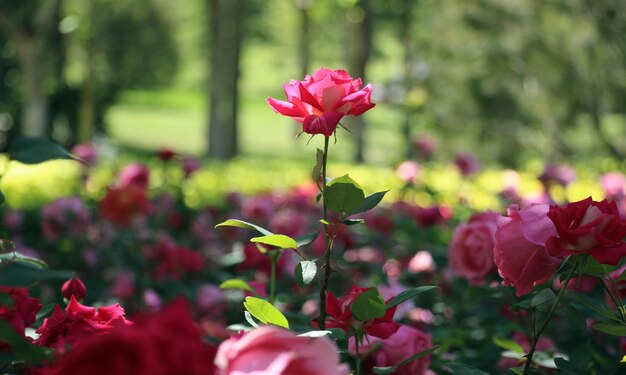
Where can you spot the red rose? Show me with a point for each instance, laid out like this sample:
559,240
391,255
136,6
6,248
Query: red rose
519,251
77,322
471,248
23,312
595,228
321,100
167,343
165,154
74,287
340,316
121,205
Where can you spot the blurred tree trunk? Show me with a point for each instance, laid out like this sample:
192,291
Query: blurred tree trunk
407,44
226,39
360,24
87,110
29,36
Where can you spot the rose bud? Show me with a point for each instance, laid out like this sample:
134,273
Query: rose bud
74,287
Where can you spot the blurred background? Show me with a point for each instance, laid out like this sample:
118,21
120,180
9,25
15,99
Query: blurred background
508,81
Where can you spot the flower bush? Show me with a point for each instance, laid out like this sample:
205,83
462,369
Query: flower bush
442,274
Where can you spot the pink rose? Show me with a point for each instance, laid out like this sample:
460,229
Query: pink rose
321,100
519,251
471,249
134,174
406,342
408,171
614,185
275,351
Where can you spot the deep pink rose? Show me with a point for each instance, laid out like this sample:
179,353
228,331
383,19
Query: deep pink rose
190,165
74,287
408,171
467,163
87,152
134,174
321,100
77,322
614,185
557,174
168,342
23,312
275,351
340,315
595,228
519,251
471,248
403,344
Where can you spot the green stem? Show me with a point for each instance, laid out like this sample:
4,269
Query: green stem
358,356
529,356
327,243
273,259
614,294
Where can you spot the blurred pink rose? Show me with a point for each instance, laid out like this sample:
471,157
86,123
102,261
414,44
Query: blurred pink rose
289,222
558,174
190,165
422,262
87,152
406,342
66,216
471,248
614,185
275,351
408,171
426,145
519,251
321,100
134,174
467,163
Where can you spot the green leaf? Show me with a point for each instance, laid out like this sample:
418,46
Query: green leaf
1,198
343,194
567,368
25,274
353,221
24,350
543,300
250,319
305,272
383,370
611,328
416,356
6,300
245,225
265,312
278,240
32,150
307,239
459,368
15,256
236,284
369,202
591,267
409,294
369,305
508,345
338,333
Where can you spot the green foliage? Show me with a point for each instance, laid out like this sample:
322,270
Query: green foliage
265,312
278,240
408,294
369,305
245,225
236,284
343,194
30,150
305,272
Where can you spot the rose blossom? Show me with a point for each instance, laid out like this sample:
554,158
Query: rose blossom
408,171
275,351
471,248
519,251
321,100
340,315
22,314
121,205
76,322
595,228
403,344
169,342
74,287
134,174
614,185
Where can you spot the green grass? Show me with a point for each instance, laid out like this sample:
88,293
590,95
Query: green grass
178,120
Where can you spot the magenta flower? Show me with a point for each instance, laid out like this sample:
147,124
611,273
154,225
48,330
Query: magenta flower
321,100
